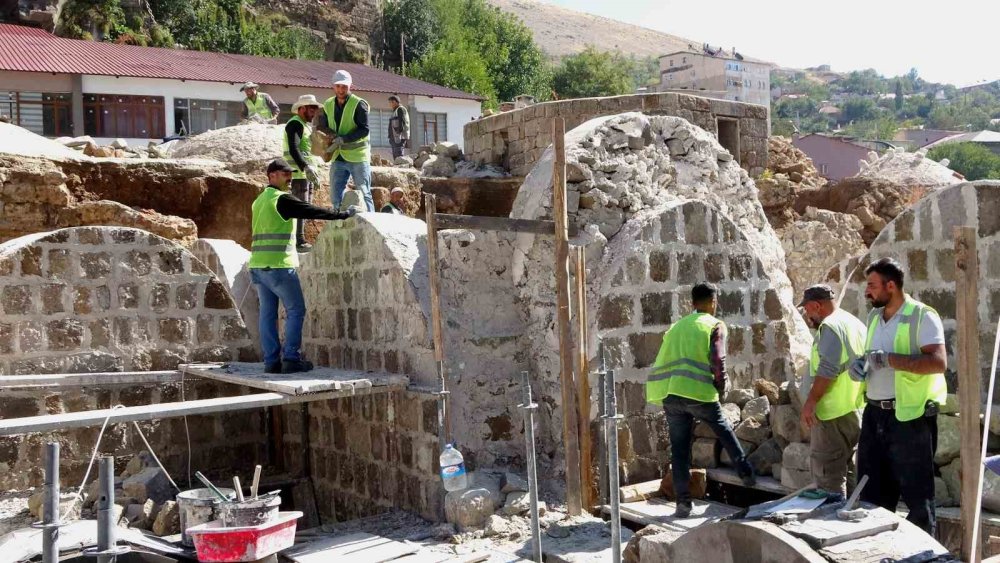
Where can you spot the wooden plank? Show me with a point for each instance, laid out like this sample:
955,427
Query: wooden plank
660,512
477,222
729,477
350,547
969,386
60,380
583,384
430,215
640,491
318,380
570,414
50,422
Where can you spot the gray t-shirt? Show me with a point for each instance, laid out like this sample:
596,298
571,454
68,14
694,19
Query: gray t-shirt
882,382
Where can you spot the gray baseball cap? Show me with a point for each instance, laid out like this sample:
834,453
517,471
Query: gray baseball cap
819,292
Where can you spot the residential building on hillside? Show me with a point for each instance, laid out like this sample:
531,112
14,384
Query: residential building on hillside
66,87
835,158
913,139
742,79
989,139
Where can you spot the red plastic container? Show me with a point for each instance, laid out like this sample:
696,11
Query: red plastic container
216,544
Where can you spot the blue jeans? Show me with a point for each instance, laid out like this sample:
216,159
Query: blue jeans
362,174
273,285
681,413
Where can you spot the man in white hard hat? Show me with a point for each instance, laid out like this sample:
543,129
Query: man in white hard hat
344,118
298,152
395,203
258,104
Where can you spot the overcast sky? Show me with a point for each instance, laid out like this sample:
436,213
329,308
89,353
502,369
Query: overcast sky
956,41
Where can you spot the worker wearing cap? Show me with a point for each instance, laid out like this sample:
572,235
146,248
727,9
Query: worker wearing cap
395,203
298,152
344,118
831,409
687,378
399,127
903,369
273,261
259,104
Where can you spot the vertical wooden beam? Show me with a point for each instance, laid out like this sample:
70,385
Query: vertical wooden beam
583,383
969,386
571,433
430,211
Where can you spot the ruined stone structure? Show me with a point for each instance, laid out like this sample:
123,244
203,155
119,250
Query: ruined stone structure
516,139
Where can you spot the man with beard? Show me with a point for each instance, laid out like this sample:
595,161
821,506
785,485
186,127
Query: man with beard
903,367
831,409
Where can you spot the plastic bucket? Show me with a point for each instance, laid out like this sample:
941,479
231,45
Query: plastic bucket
196,507
249,512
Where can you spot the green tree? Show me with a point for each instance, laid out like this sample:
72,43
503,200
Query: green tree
414,20
899,95
456,64
592,73
859,109
972,160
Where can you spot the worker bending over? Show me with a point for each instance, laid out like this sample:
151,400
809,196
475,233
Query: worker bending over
298,153
258,104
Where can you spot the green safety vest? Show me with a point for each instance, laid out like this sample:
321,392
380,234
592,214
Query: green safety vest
258,107
682,366
305,148
844,395
273,243
912,390
355,151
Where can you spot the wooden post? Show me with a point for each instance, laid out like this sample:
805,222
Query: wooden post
969,386
583,383
444,418
571,434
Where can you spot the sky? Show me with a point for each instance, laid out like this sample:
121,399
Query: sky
954,42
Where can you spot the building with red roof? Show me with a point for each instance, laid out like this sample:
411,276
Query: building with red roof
66,87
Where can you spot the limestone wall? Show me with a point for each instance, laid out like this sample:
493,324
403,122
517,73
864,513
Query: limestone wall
516,139
92,299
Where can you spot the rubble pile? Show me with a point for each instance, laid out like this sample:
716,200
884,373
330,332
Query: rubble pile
874,201
20,141
446,160
789,171
816,241
245,148
912,170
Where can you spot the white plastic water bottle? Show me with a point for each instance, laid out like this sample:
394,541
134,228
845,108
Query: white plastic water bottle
453,469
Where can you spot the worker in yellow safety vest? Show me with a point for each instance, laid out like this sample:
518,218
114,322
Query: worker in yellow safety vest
258,105
687,378
273,263
831,409
297,143
903,370
344,118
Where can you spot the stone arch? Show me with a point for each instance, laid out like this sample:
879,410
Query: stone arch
228,260
92,299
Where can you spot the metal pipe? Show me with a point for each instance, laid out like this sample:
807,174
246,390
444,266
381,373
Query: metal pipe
105,511
444,428
51,517
529,408
602,442
611,427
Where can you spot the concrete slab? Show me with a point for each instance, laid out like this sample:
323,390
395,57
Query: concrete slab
906,543
828,529
660,512
319,380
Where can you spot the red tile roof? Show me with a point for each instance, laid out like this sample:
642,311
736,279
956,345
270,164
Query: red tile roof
34,50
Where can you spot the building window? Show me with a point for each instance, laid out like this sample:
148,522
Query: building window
378,126
42,113
822,170
433,127
192,116
135,117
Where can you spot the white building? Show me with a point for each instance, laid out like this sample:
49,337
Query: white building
728,73
66,87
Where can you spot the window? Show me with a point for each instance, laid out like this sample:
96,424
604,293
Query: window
433,127
45,114
136,117
193,116
822,170
378,127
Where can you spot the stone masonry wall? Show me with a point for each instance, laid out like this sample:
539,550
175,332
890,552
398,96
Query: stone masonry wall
516,139
91,299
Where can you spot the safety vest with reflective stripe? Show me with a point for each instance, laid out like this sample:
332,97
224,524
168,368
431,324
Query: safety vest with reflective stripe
273,243
258,107
355,151
305,148
913,391
844,395
682,366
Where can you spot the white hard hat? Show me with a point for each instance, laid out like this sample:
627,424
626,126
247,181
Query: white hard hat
342,77
305,100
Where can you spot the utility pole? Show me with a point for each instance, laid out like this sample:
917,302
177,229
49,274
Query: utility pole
402,55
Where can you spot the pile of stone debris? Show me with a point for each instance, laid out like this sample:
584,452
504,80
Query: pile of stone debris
445,160
143,499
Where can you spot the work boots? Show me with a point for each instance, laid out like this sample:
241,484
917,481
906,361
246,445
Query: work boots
295,366
683,509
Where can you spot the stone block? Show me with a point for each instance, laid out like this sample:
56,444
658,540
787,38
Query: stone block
988,200
658,546
942,300
795,479
468,509
796,456
69,505
949,440
644,347
703,453
697,484
767,454
141,515
65,334
754,431
739,396
758,408
768,389
731,304
731,413
714,268
95,265
150,483
689,269
17,300
772,305
171,261
175,331
168,520
786,424
659,266
941,496
657,308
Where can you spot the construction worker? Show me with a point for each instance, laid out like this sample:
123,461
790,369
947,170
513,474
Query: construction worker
399,127
344,118
273,261
395,203
903,368
258,104
831,410
298,153
687,378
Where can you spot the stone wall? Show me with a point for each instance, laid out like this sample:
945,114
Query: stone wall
516,139
92,299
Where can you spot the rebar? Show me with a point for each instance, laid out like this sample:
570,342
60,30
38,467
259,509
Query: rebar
106,539
529,407
51,518
611,428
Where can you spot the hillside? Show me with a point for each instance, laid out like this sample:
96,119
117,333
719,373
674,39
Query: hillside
560,32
